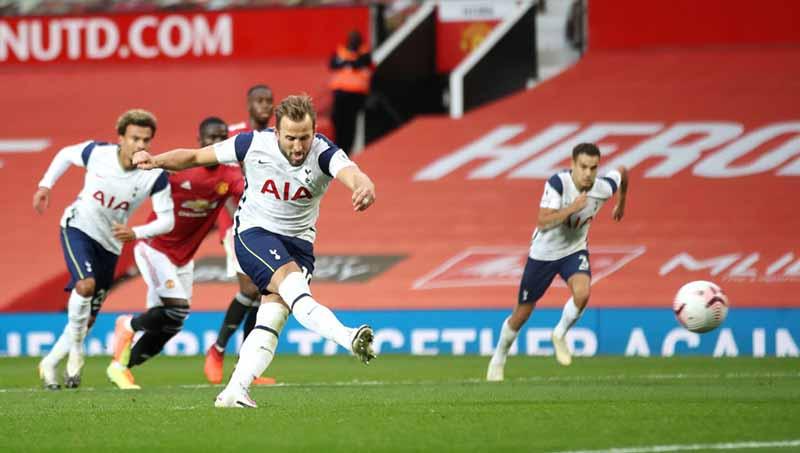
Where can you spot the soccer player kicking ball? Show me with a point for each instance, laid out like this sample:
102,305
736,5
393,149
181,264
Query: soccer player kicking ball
244,305
571,200
166,261
93,227
288,171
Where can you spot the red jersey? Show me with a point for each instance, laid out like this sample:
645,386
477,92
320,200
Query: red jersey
199,195
225,221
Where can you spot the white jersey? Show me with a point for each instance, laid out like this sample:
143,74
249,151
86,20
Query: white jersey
571,235
279,197
110,193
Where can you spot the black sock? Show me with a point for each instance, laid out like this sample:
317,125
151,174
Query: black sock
152,320
233,317
250,322
149,345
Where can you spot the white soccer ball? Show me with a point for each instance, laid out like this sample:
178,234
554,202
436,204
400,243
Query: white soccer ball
700,306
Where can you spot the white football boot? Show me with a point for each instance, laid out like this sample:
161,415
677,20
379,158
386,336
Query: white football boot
47,373
563,356
495,372
230,398
362,344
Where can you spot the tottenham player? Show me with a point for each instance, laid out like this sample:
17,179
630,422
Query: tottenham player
93,227
165,262
571,200
245,303
288,170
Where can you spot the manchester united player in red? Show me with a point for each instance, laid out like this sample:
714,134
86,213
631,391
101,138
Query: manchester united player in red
246,302
165,262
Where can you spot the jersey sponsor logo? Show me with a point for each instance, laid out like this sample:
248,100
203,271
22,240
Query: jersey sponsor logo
111,202
503,266
197,208
737,266
723,149
287,194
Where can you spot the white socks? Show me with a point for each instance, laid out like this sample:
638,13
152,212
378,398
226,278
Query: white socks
76,353
258,348
507,337
60,349
315,317
569,316
71,339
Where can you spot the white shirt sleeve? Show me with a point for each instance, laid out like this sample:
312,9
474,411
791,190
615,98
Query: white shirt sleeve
226,151
551,199
615,176
69,155
338,162
165,215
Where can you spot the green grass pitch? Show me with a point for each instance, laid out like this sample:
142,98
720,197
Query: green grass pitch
405,403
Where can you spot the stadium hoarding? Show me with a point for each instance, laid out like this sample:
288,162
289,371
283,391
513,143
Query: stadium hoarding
750,332
659,24
200,36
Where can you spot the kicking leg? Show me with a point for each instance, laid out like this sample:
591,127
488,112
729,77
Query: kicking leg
267,261
293,288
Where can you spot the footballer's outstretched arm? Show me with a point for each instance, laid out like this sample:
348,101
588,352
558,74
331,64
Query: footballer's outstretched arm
70,155
161,196
362,187
177,159
619,207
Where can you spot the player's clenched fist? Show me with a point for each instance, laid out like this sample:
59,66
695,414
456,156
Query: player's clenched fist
580,202
143,160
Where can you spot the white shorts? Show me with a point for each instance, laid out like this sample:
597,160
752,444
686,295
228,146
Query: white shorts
163,278
231,263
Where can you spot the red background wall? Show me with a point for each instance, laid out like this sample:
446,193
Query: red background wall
636,24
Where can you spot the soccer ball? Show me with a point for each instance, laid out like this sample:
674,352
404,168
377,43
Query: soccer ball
700,306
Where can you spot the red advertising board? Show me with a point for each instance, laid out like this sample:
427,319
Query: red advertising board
636,24
210,36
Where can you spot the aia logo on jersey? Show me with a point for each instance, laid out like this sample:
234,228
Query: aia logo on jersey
111,203
287,194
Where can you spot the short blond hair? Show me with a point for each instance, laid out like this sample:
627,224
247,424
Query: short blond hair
136,117
296,108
